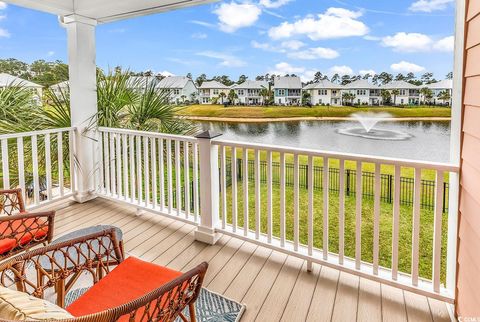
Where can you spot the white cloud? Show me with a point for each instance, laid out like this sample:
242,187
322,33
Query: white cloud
226,60
408,42
430,5
364,72
446,44
4,33
314,53
285,68
334,23
203,23
50,53
273,3
199,35
3,5
166,73
407,67
292,44
233,16
341,70
417,42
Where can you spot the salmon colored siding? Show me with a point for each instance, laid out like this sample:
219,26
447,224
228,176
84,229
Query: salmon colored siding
468,269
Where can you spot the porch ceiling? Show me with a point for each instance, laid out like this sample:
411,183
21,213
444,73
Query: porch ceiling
106,10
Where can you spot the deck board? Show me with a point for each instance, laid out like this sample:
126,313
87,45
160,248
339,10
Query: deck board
272,285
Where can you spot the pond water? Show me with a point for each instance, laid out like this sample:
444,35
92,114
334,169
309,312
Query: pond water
429,141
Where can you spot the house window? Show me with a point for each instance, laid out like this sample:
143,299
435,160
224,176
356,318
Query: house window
361,92
334,92
322,92
403,92
215,92
176,91
241,92
281,92
320,101
401,101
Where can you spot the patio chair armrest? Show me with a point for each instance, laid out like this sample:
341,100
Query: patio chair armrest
11,202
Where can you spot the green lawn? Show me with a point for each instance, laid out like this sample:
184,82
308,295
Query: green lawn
405,235
317,111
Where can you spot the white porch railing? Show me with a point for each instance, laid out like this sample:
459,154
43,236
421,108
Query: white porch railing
231,188
39,163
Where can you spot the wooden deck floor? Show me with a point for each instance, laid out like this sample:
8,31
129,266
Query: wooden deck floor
274,287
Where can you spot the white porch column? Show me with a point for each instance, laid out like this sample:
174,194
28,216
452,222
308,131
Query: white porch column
209,189
83,98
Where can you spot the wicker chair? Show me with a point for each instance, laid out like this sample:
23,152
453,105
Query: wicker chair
19,230
95,255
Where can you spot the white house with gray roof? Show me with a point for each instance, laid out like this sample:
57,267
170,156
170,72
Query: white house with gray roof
7,80
324,93
140,83
365,92
439,87
408,94
288,90
249,92
210,92
178,88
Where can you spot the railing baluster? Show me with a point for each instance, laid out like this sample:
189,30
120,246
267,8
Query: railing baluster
416,225
131,140
146,170
234,188
48,165
245,192
21,165
125,166
326,192
341,212
71,156
178,171
118,157
60,163
437,231
153,155
161,169
376,217
310,210
106,158
139,169
358,216
396,222
282,199
296,202
36,184
223,187
269,197
113,156
257,194
196,199
169,176
186,175
5,165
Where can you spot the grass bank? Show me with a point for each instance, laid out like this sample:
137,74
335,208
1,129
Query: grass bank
279,112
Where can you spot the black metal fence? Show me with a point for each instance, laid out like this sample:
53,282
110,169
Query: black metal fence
427,193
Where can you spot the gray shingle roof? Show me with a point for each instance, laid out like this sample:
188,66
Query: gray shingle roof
173,82
251,84
213,85
399,85
444,84
323,84
361,84
288,82
10,80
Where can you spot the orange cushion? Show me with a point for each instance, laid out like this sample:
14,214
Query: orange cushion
130,280
36,230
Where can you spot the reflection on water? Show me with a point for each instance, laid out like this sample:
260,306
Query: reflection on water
430,140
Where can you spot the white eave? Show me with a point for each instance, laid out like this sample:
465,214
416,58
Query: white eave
103,11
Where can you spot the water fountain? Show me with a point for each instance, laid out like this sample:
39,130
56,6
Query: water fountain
369,120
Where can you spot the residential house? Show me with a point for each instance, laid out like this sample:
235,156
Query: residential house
439,87
249,92
324,93
210,92
288,90
60,89
407,94
178,88
7,80
364,92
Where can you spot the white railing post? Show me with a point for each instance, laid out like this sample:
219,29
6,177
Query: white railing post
209,188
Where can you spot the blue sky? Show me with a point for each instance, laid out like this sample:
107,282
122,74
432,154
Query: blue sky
254,37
